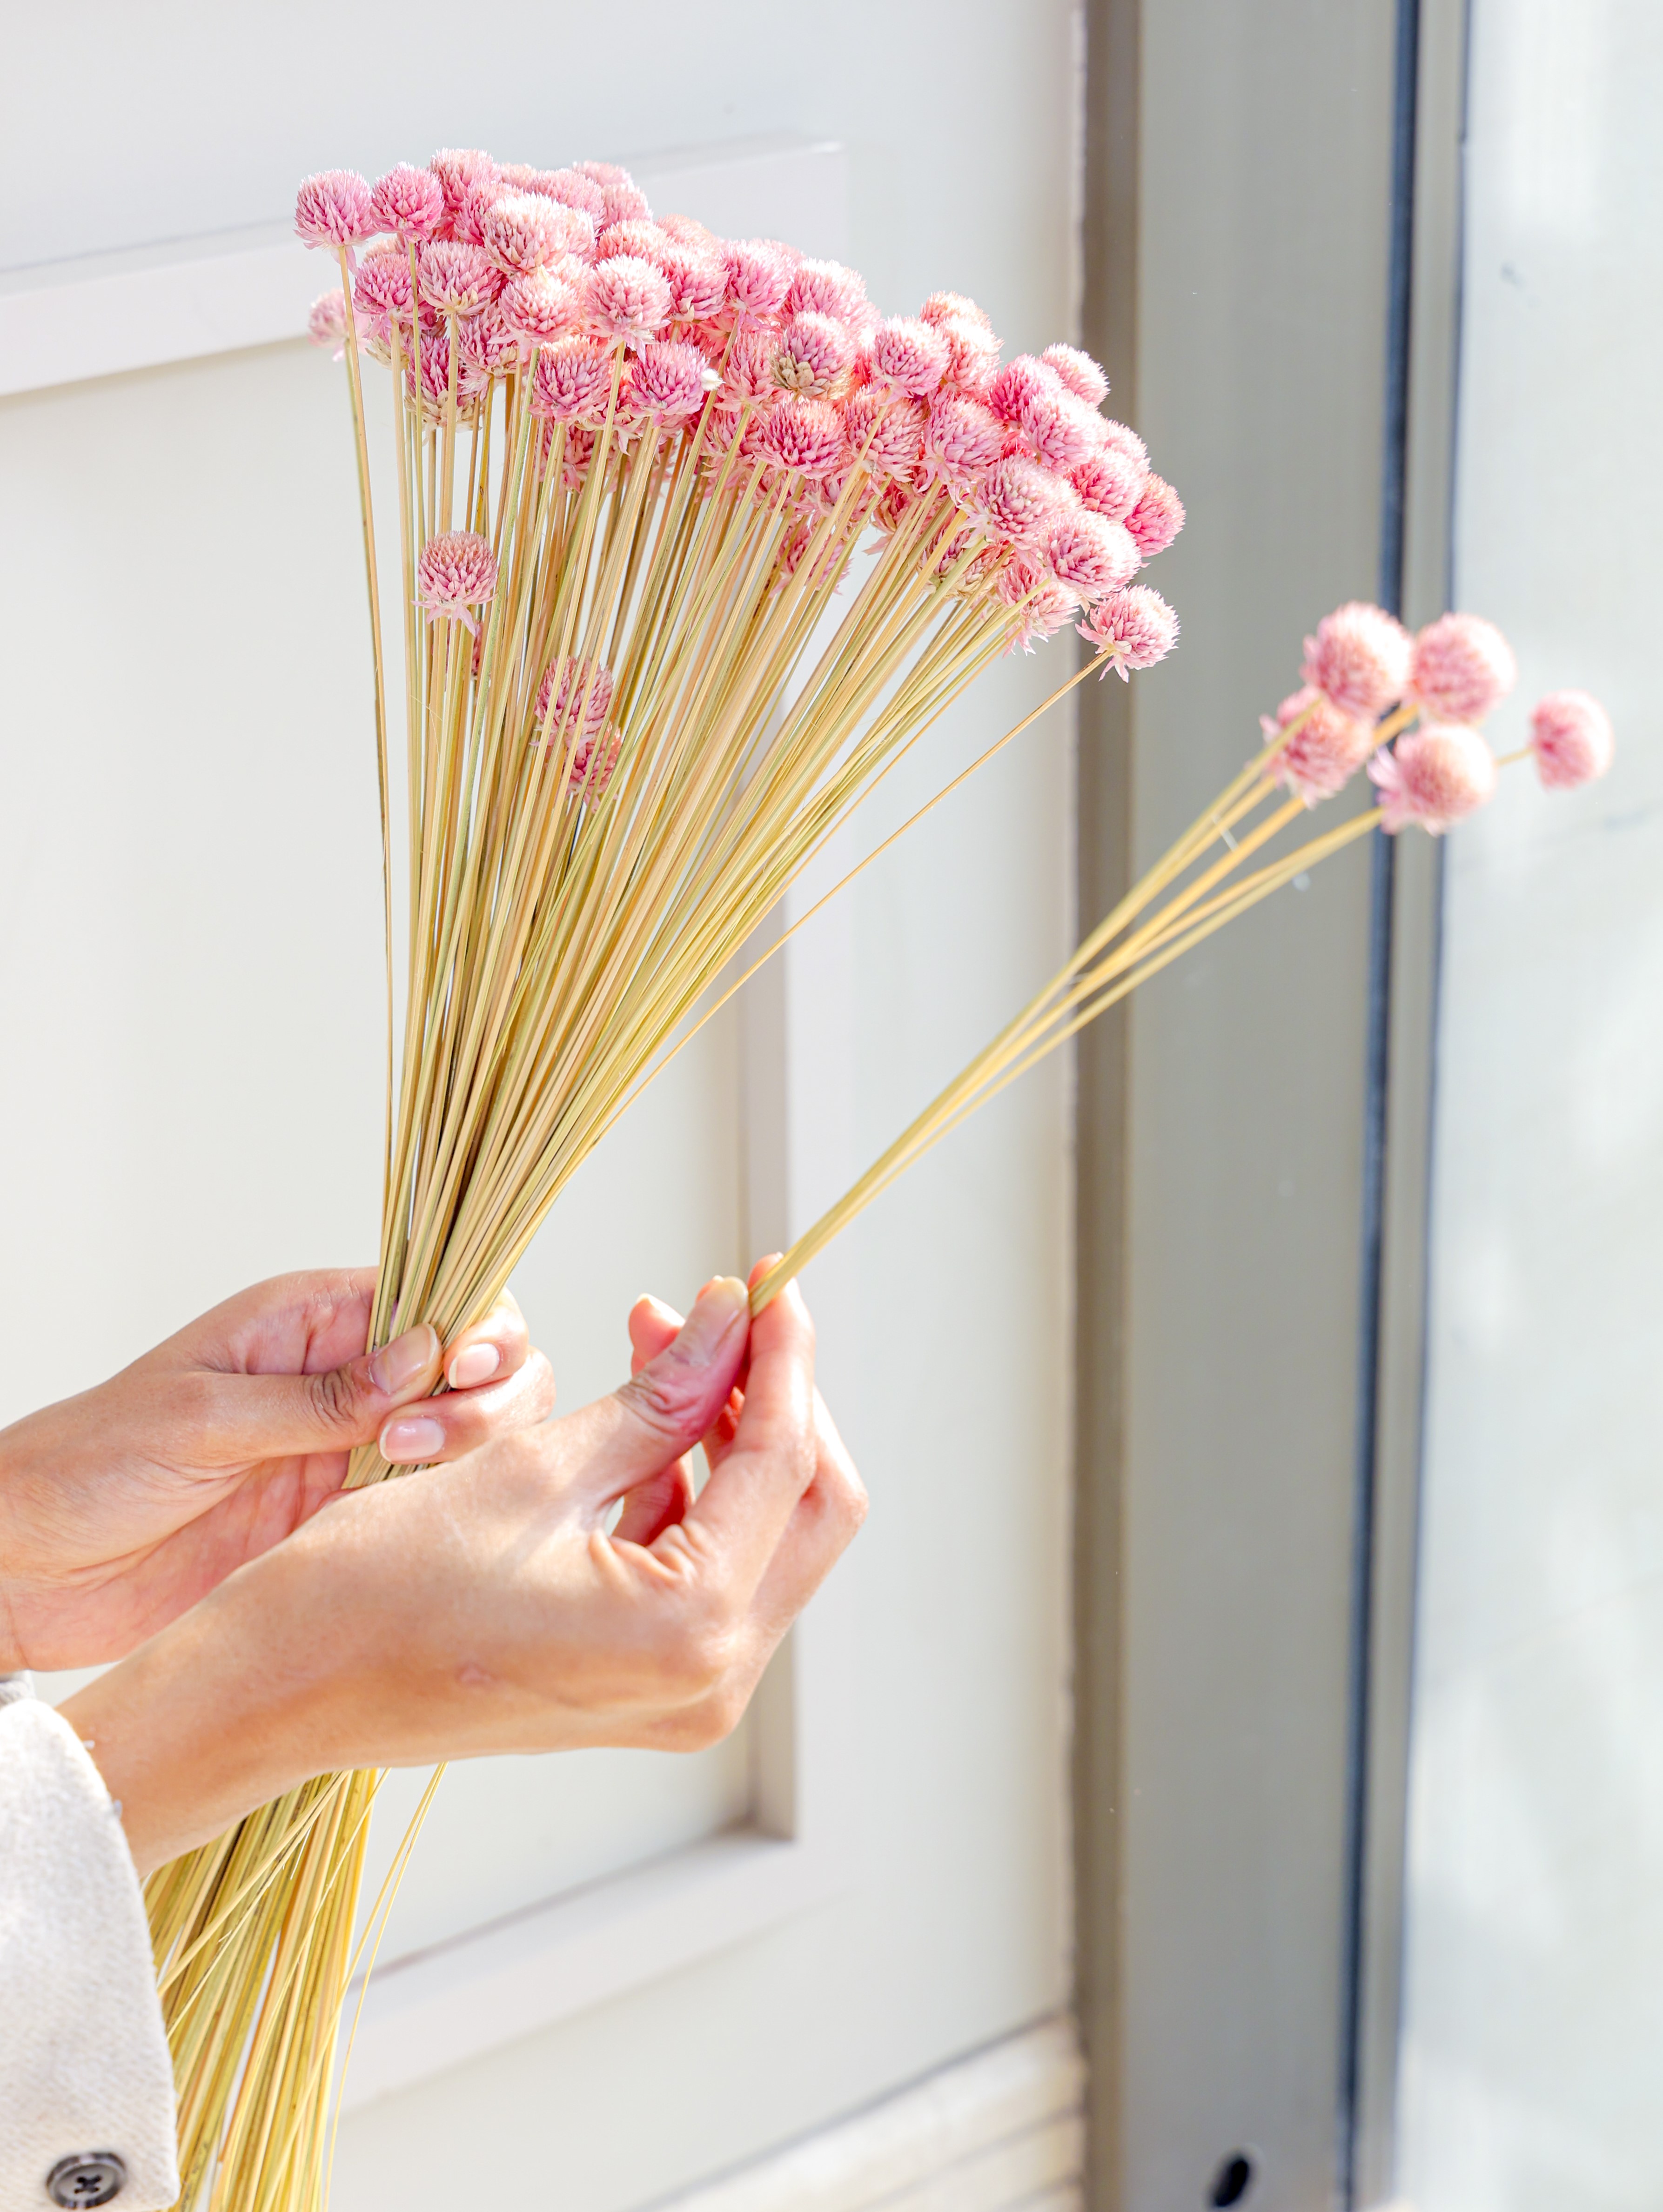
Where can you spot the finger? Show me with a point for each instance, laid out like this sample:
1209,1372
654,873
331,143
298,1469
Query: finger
743,1509
435,1430
664,1408
653,1328
253,1416
655,1505
491,1350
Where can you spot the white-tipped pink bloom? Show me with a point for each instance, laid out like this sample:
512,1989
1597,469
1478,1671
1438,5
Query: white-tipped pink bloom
648,241
540,306
593,764
885,432
1091,557
1078,370
625,299
1021,382
962,440
430,383
973,358
805,435
456,573
1360,657
1435,775
1133,628
581,691
953,308
456,168
1122,438
1022,501
1064,431
1157,518
1462,667
574,381
409,202
456,278
1046,606
487,340
326,321
522,231
824,288
697,281
381,290
571,190
665,383
1572,739
758,278
813,354
1324,753
1110,482
909,354
333,209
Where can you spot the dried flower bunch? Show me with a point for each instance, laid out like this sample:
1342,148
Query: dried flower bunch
644,678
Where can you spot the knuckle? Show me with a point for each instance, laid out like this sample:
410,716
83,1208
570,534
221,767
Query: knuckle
337,1401
668,1397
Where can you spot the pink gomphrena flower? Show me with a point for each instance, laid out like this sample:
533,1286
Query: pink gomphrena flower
540,306
431,388
479,196
697,281
1462,667
804,435
973,358
757,280
381,290
1157,518
910,355
461,170
573,380
1078,370
410,203
962,440
1022,501
580,443
333,209
1062,429
457,278
689,232
1572,738
1134,628
582,693
747,372
1110,483
812,354
1360,657
1324,753
326,321
487,340
885,433
648,241
1020,381
665,382
625,299
572,191
1048,605
592,765
1091,557
1124,439
824,288
953,308
456,572
897,503
1436,775
623,200
522,232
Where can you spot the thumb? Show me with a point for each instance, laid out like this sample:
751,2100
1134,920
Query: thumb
270,1416
664,1410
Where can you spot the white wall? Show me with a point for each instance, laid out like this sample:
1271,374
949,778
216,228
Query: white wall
1534,2045
201,1112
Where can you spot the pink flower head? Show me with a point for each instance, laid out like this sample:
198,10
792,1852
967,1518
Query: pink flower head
622,200
697,281
431,386
1462,667
749,372
892,509
456,278
1135,627
910,355
886,432
1048,607
961,440
1123,439
824,288
1571,736
1110,483
540,306
1360,657
758,279
573,190
973,358
573,380
805,435
455,573
409,202
522,231
1018,383
953,308
1325,752
625,298
647,241
1078,370
1433,776
381,290
592,765
582,695
1157,518
578,451
812,353
1064,430
665,381
1022,501
326,321
1089,556
487,340
333,209
458,168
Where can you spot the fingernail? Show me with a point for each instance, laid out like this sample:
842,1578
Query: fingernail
397,1365
416,1439
473,1364
718,1310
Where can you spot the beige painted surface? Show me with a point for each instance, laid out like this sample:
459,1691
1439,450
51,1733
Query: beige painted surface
1534,2045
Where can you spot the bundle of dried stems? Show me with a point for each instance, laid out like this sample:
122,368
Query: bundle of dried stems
636,466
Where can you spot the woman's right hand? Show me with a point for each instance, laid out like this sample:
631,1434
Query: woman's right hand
484,1607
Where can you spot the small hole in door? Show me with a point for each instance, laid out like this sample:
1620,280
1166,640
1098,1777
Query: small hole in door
1233,2179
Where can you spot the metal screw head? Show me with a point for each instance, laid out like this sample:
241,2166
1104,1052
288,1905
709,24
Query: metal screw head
87,2177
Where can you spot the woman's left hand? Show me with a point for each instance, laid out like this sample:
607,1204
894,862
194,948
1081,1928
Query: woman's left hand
120,1508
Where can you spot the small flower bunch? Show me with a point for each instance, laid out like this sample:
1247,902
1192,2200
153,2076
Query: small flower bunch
1411,709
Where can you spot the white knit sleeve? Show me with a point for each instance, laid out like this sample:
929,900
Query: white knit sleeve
86,2084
